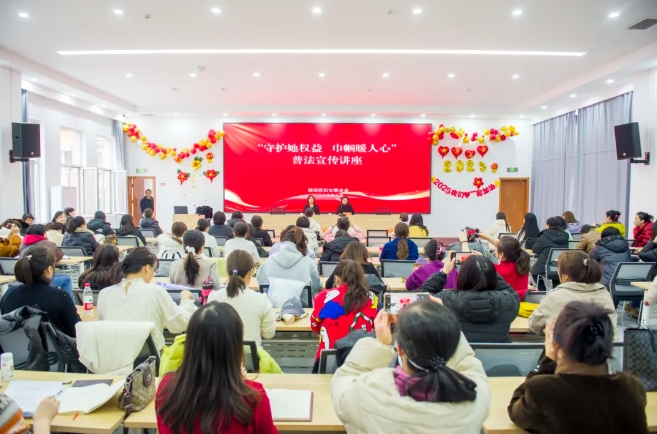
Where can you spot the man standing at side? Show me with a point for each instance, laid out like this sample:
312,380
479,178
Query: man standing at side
147,201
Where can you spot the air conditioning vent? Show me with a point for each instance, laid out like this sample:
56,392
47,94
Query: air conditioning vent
644,24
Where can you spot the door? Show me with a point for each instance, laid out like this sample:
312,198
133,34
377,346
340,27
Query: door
514,200
137,185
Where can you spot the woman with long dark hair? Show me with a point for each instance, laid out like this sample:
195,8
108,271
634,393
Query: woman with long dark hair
529,231
401,248
345,206
99,275
500,226
208,393
416,228
439,385
514,262
310,203
195,268
242,242
356,251
127,229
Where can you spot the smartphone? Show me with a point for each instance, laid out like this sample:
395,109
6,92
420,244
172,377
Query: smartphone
461,257
394,302
472,233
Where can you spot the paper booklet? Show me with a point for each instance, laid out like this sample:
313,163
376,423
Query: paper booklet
87,399
291,405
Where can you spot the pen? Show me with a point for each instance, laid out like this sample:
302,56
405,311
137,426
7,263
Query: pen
76,416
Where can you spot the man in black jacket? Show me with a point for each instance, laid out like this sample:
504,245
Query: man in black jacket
99,225
147,201
218,228
551,238
334,249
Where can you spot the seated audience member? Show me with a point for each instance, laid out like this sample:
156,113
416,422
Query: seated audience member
564,227
209,392
291,262
313,244
439,385
499,226
25,222
277,245
642,229
136,298
484,304
649,252
416,228
148,222
77,235
513,264
240,242
171,244
334,249
609,251
196,268
435,253
345,206
350,306
54,233
10,245
611,220
257,222
589,238
210,242
344,224
254,308
99,275
403,217
59,217
235,218
572,382
218,228
314,224
310,204
580,281
35,271
573,226
99,225
250,235
553,237
69,213
529,231
355,251
12,421
127,229
401,248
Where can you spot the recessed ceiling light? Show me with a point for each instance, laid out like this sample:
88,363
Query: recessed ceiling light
471,116
24,15
128,75
515,76
614,15
423,115
417,11
323,114
256,74
573,95
611,80
386,74
517,13
225,114
451,75
118,12
274,114
321,75
543,107
192,75
373,114
317,10
522,116
216,10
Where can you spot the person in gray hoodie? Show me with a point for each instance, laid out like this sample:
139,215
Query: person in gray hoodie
610,251
291,262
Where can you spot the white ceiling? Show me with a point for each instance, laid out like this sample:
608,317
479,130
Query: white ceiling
289,83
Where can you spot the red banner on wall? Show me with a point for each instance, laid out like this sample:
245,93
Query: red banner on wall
279,165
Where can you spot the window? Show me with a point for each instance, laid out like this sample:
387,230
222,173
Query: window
70,157
104,153
70,176
105,190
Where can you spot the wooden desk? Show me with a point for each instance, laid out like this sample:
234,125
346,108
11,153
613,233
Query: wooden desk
646,319
104,420
4,283
73,260
323,415
302,325
520,325
151,240
502,389
221,249
395,284
84,317
124,248
642,285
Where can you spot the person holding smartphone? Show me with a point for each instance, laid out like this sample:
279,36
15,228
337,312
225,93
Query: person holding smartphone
10,245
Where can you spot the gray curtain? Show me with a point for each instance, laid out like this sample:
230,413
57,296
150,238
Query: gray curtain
596,181
26,164
548,183
119,143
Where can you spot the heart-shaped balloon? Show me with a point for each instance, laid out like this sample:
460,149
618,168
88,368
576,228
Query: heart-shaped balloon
483,149
469,153
456,151
443,150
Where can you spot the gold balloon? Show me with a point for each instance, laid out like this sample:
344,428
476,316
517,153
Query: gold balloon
163,156
497,138
459,166
133,139
466,140
481,139
487,132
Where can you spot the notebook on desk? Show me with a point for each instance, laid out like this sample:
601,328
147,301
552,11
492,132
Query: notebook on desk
87,399
291,405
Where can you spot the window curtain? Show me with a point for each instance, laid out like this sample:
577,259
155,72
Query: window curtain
596,181
26,164
119,145
551,140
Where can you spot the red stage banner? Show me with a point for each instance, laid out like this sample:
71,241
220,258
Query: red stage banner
278,165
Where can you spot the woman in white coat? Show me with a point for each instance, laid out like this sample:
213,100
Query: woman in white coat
500,226
439,388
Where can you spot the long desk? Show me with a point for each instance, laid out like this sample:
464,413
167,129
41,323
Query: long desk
4,283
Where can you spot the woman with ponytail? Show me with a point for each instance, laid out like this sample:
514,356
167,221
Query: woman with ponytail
438,387
195,268
580,281
401,248
513,262
611,221
572,383
137,298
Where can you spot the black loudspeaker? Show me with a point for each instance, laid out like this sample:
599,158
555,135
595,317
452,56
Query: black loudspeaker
26,140
628,141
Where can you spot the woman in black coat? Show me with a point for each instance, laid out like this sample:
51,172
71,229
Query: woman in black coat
77,235
551,238
484,304
128,229
334,249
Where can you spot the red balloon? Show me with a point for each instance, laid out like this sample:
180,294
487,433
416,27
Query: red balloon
213,140
213,132
157,151
503,137
175,149
441,136
186,154
492,137
193,151
196,146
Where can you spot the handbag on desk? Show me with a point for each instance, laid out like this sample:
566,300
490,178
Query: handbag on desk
139,389
640,356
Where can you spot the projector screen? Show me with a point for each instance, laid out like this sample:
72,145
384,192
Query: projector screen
376,165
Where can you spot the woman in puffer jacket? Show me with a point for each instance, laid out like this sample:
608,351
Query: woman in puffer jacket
642,229
610,251
77,235
649,252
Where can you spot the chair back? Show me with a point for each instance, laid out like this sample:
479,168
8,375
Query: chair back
376,241
631,242
573,244
392,268
72,252
278,210
164,267
148,233
507,234
551,268
421,242
377,232
516,359
129,240
534,296
576,237
620,283
7,266
616,362
221,241
328,362
271,232
306,296
327,268
260,241
16,342
148,350
251,359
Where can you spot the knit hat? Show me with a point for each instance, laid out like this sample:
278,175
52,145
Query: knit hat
11,417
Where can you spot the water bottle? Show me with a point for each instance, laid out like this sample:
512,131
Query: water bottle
7,362
88,300
206,289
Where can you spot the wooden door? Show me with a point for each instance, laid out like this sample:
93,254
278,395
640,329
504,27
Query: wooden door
137,185
514,200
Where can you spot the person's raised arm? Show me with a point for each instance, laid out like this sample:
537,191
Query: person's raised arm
436,282
267,319
491,239
463,238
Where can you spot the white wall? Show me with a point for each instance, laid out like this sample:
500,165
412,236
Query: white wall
11,174
644,111
448,214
